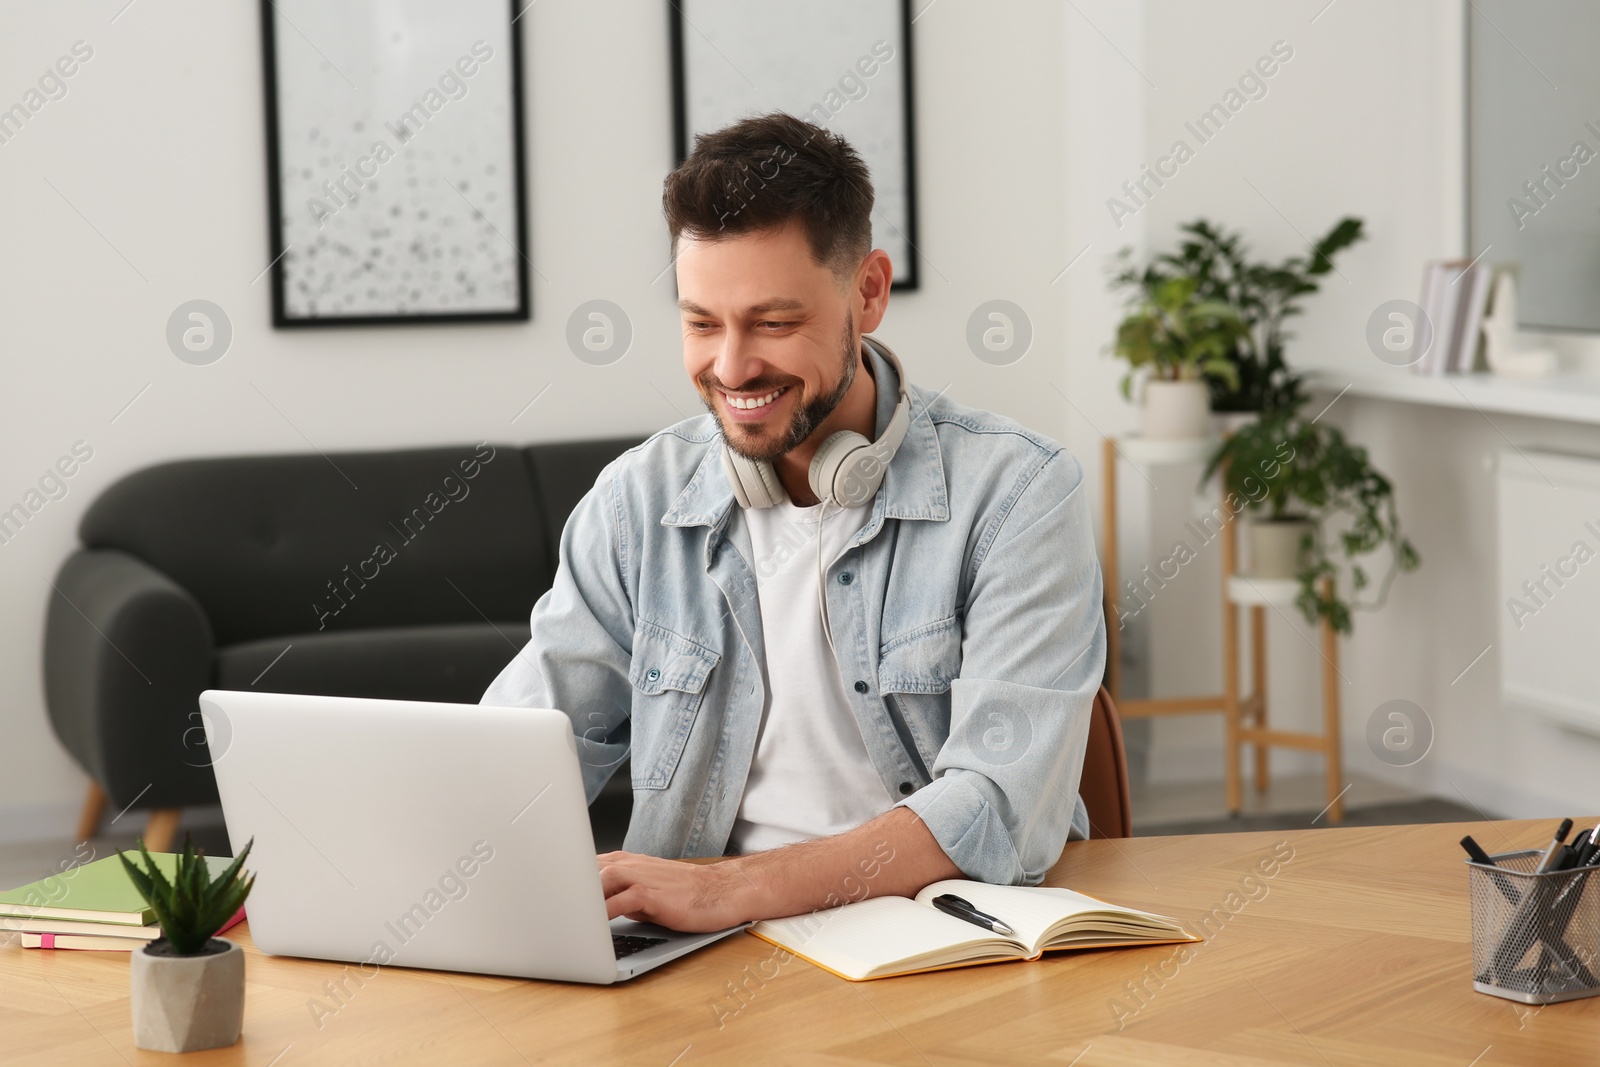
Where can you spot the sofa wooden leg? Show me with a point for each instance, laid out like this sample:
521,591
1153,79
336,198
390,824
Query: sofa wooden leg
162,828
94,806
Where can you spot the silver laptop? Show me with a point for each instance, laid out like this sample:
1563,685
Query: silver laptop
412,834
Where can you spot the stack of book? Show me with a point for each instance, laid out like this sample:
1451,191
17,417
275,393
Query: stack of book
1454,296
94,906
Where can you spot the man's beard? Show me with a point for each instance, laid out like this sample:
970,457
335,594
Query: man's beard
807,417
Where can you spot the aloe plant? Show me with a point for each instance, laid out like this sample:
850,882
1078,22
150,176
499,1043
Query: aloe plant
193,906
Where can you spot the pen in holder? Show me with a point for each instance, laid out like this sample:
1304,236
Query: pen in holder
1535,937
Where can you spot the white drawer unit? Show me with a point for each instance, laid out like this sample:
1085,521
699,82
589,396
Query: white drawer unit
1549,583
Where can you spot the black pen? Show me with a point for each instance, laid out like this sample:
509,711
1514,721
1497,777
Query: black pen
961,909
1476,852
1583,855
1590,850
1477,855
1552,855
1533,901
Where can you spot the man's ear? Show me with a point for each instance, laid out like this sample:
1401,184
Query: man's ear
871,289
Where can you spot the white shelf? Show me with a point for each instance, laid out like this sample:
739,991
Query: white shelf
1567,395
1153,451
1270,592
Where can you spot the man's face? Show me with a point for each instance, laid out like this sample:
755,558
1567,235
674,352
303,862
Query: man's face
768,337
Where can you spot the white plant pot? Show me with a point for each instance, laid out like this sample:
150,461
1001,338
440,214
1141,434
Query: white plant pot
1275,547
1172,410
187,1003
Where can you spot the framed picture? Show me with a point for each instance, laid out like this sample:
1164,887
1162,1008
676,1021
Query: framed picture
842,64
395,177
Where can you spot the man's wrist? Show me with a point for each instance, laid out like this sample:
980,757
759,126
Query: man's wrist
745,897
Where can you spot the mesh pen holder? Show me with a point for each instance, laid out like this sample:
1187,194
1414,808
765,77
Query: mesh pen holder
1535,937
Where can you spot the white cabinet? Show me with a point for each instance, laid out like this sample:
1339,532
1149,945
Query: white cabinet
1549,582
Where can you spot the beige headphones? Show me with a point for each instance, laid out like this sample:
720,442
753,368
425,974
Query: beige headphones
845,472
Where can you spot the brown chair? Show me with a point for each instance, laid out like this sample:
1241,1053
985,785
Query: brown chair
1104,784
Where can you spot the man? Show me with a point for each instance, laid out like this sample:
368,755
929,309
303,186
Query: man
851,698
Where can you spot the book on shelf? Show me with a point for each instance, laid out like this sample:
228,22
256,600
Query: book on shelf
1454,296
1469,323
883,937
98,892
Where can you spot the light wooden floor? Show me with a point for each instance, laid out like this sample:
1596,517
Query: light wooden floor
1178,802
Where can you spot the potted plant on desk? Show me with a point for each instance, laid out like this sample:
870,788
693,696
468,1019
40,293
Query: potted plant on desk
188,986
1302,477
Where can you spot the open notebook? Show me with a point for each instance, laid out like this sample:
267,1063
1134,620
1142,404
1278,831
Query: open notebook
886,936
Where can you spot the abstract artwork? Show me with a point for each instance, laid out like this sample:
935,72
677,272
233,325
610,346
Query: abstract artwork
844,65
394,155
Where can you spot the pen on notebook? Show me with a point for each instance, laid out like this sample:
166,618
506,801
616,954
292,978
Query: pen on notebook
954,905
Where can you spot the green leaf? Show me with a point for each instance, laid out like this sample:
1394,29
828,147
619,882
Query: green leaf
193,906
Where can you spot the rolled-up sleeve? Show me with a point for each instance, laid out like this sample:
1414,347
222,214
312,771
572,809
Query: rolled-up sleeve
1004,786
578,655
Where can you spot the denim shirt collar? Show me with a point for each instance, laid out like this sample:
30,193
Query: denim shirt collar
913,486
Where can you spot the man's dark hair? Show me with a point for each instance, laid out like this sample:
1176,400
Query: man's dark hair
762,172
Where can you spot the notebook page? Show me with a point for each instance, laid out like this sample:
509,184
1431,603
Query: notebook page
874,933
1031,910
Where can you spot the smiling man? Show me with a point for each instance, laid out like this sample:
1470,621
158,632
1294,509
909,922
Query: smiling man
848,631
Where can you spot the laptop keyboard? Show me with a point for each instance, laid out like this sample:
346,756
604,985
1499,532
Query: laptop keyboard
628,944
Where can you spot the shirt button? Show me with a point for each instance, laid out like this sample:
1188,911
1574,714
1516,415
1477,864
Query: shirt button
905,789
652,674
846,578
861,687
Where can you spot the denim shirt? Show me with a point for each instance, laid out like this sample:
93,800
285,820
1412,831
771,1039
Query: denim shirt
966,616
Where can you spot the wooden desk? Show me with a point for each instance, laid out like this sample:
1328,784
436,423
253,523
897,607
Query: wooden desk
1355,952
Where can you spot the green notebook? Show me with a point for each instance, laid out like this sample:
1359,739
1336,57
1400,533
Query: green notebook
95,892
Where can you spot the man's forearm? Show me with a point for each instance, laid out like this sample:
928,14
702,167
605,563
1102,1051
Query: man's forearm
894,854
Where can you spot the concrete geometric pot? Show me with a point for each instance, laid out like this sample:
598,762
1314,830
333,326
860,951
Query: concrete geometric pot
187,1003
1275,547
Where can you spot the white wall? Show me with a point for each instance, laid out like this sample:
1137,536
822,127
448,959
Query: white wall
1365,119
157,154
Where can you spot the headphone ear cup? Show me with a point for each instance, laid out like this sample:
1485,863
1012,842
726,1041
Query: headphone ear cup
754,484
830,459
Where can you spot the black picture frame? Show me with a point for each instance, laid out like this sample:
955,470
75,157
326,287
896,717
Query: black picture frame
906,279
281,318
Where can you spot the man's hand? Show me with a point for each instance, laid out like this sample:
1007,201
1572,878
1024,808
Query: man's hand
692,897
892,855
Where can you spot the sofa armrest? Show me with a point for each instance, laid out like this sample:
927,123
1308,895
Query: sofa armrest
126,652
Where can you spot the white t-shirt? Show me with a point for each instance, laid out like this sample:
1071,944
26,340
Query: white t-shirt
811,775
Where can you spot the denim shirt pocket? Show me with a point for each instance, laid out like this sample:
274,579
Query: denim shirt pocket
914,673
923,660
669,674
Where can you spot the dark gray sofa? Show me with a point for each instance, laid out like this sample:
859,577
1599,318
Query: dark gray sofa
401,574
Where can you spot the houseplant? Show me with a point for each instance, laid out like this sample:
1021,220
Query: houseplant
1263,295
1303,478
1180,340
188,985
